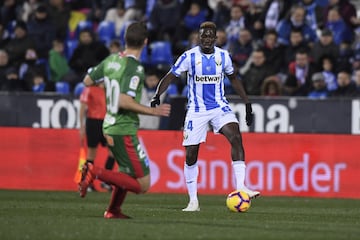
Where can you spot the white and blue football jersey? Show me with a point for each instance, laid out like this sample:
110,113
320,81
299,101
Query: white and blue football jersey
205,77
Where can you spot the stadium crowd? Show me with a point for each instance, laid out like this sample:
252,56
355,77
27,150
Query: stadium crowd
308,48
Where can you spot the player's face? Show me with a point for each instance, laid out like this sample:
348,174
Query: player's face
207,38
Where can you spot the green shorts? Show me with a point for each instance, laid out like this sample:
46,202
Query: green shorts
129,155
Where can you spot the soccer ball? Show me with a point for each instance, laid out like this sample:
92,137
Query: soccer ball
238,201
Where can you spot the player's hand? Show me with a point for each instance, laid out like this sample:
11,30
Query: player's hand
249,114
162,110
155,100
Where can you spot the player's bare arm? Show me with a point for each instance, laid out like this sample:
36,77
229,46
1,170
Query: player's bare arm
163,85
88,81
128,103
238,87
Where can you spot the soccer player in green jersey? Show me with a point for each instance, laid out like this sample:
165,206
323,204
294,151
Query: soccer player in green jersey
123,78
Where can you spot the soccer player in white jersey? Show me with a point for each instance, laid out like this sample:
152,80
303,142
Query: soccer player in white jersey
206,66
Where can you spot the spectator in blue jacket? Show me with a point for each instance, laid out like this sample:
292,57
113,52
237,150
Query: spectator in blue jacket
296,20
341,31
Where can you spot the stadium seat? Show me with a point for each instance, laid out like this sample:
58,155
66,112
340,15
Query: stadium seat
172,90
85,24
106,32
79,89
70,46
62,87
161,53
144,57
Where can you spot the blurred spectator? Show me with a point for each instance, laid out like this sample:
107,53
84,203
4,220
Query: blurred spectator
298,82
12,82
27,9
357,80
39,84
191,21
355,60
114,46
58,64
341,31
346,9
4,65
258,71
273,51
59,13
117,16
295,20
8,12
160,28
18,45
237,22
98,9
324,47
88,53
296,43
273,12
346,87
221,39
31,66
152,79
4,36
42,30
271,87
221,12
193,40
319,89
344,58
314,14
241,49
329,72
252,15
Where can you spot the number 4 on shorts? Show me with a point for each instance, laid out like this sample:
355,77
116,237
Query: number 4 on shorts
189,125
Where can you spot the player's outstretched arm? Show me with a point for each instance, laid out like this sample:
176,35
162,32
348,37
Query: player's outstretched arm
88,81
162,86
128,103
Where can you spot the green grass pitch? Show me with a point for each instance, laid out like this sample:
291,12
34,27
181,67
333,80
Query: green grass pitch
64,215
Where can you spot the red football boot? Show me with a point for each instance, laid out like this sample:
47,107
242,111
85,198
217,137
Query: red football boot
87,179
115,214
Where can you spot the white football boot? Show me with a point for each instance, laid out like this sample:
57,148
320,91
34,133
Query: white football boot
193,206
252,194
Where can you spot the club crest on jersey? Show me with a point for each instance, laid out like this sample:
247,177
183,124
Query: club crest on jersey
218,63
134,82
207,79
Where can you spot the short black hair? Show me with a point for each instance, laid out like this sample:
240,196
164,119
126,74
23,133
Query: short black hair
135,34
208,24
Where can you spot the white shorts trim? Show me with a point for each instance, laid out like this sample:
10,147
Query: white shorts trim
197,124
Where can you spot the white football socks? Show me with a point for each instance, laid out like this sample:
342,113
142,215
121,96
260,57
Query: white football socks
191,176
239,171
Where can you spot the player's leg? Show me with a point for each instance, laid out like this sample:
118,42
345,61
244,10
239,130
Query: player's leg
195,129
191,173
92,140
232,133
126,153
109,162
117,198
226,123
